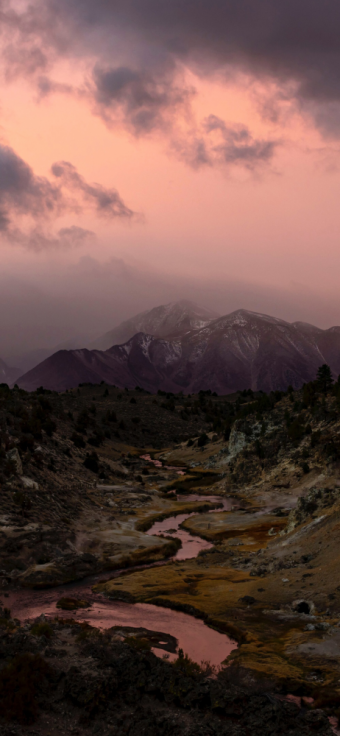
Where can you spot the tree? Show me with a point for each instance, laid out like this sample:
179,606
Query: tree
324,378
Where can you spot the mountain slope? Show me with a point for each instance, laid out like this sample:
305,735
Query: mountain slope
168,319
241,350
7,373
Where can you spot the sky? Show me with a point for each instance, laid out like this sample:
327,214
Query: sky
153,150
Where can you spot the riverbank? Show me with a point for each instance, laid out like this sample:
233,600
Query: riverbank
64,677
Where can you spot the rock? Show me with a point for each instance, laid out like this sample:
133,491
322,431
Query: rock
28,483
309,627
303,606
237,442
322,626
14,457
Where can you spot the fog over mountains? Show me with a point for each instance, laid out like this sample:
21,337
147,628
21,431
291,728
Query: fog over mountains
182,347
168,319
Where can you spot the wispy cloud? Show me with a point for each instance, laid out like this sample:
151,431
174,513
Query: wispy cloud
23,194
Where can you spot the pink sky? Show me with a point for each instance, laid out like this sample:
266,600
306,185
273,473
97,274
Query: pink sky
270,220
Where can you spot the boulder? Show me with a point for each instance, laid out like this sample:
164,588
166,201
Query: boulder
14,457
29,484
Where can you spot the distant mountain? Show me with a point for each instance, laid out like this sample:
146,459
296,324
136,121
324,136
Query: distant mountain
27,361
8,374
168,319
241,350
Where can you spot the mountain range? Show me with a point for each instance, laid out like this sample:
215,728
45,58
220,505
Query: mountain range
182,347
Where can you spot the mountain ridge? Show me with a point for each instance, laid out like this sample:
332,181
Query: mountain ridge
160,321
234,352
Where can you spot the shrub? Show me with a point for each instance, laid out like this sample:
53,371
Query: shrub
20,682
91,462
42,629
96,440
202,440
296,431
78,440
259,449
315,438
139,643
186,665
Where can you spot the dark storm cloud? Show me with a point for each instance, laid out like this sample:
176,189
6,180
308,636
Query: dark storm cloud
293,42
23,193
143,100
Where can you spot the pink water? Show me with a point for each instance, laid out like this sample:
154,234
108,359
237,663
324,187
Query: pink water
158,464
196,639
191,545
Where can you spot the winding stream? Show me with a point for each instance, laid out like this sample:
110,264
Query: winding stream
191,544
199,641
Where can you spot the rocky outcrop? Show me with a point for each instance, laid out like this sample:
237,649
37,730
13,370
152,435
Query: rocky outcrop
312,506
15,459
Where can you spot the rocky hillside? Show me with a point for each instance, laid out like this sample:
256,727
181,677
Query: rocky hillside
66,459
242,350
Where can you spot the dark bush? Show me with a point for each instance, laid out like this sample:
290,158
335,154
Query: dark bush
202,440
296,431
91,462
96,439
42,629
49,427
20,682
78,440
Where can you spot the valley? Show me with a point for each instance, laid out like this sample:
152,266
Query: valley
220,509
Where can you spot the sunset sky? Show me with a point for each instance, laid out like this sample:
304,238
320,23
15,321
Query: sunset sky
159,149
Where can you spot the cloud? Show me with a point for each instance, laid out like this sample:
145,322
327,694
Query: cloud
134,42
106,202
67,238
219,144
144,101
23,194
